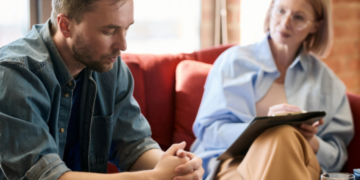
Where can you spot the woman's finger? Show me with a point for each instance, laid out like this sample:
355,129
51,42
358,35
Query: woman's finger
306,134
309,128
282,108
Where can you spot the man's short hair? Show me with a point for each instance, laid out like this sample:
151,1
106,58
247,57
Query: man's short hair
74,9
318,43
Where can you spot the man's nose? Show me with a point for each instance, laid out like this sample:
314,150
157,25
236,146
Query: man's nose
120,42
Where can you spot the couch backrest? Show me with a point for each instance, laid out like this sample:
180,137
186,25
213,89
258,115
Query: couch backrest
154,77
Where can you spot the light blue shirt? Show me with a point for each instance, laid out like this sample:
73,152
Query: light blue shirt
241,76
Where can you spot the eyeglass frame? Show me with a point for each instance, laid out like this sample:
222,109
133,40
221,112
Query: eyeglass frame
291,18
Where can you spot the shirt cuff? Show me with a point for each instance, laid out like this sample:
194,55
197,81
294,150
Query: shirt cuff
48,167
324,153
133,151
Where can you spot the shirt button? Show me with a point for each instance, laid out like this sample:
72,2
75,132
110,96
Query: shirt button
61,130
66,94
70,83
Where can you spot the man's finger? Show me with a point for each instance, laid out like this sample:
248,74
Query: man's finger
190,155
174,148
195,175
180,153
194,164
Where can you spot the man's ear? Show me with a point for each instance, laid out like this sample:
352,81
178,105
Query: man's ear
64,25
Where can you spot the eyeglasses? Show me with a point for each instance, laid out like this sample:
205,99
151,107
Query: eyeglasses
298,20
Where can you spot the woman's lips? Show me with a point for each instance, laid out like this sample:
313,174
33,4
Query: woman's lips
284,35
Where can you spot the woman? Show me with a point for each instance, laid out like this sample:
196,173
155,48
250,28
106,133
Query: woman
279,74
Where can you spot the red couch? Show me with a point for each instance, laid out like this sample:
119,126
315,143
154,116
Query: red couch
169,88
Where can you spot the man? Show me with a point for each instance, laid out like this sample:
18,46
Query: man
66,102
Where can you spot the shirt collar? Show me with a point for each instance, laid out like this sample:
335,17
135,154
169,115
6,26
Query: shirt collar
61,71
265,57
301,61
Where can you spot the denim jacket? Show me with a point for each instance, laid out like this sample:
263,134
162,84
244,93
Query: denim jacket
35,103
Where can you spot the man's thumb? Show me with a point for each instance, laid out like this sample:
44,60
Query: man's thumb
172,150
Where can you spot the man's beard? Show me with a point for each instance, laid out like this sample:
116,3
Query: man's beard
84,55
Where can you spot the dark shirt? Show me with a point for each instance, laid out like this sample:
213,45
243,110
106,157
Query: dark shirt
72,150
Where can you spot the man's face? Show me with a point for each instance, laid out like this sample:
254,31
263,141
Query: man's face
98,39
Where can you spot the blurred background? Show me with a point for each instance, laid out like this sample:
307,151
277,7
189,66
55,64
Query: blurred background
177,26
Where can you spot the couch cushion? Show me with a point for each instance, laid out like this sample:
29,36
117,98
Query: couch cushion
139,84
155,91
209,55
190,80
154,77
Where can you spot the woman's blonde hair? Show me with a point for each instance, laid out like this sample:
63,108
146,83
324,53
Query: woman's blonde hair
320,42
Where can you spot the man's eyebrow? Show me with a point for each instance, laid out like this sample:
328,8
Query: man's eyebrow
113,26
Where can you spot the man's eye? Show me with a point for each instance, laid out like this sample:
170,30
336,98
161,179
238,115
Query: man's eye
108,33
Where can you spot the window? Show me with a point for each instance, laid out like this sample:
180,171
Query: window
252,16
163,26
14,20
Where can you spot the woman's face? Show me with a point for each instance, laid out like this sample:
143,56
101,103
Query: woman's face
291,21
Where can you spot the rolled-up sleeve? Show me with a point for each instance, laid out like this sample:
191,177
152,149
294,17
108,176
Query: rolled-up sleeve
336,134
49,167
132,133
27,149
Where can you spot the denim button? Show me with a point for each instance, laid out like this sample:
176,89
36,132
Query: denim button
66,94
62,130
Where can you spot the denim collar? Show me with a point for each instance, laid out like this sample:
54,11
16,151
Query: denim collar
265,57
61,71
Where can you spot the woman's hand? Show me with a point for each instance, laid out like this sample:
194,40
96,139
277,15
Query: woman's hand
309,132
282,108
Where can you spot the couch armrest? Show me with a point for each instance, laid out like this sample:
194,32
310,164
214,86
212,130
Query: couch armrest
354,146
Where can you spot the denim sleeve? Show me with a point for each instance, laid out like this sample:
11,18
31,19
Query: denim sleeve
49,167
27,149
132,134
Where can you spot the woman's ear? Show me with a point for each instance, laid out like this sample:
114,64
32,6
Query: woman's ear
63,23
316,26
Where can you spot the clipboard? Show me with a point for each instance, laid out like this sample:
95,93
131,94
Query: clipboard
260,124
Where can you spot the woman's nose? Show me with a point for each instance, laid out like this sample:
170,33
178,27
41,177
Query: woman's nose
286,21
